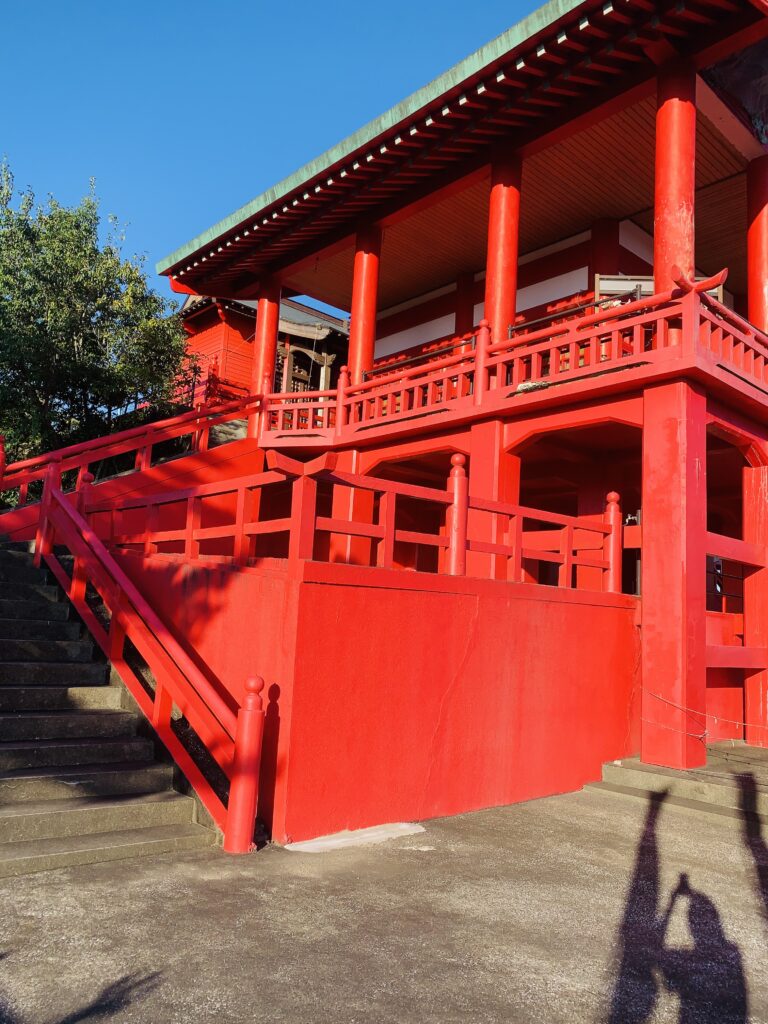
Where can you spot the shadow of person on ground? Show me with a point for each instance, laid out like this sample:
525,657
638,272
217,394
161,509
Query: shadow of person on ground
635,992
753,835
113,998
707,977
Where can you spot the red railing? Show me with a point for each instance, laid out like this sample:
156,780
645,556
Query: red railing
225,522
140,441
629,334
731,339
231,735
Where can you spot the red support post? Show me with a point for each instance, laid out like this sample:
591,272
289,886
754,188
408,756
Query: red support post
365,287
613,545
44,535
79,579
755,531
757,243
675,183
503,242
244,784
341,397
458,511
264,342
674,507
303,509
482,342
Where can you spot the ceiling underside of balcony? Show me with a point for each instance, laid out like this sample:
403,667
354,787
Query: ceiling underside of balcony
604,171
530,97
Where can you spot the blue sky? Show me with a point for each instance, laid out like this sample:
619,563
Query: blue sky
184,111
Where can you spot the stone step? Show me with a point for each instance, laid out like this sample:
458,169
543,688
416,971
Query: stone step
46,650
39,629
11,608
709,786
29,592
21,555
76,782
22,572
47,854
59,698
87,815
63,753
24,726
731,817
24,673
26,547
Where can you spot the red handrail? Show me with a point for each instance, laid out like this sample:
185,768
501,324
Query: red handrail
232,736
137,439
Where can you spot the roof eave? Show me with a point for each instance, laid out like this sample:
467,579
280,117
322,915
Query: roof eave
540,20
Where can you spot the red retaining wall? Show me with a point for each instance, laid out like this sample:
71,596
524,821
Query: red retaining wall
400,696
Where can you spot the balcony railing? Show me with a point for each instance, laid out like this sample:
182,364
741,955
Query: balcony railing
479,372
287,512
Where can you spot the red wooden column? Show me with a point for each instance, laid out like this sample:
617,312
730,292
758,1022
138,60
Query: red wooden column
674,510
494,474
365,287
265,337
503,238
674,201
755,531
757,243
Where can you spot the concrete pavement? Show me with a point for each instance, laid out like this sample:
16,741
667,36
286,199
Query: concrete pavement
560,910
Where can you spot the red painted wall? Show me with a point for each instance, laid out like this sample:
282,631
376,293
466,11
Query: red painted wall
406,696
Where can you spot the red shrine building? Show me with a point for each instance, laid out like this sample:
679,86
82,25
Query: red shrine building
520,529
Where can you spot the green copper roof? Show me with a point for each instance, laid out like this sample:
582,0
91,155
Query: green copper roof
534,23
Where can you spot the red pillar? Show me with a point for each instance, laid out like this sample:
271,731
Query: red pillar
503,238
757,243
495,474
365,286
673,219
674,510
265,337
755,531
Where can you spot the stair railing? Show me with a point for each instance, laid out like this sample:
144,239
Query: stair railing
138,440
232,735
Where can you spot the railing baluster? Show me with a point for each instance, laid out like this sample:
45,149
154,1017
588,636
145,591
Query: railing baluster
244,787
385,557
243,542
193,520
565,572
612,550
303,509
456,515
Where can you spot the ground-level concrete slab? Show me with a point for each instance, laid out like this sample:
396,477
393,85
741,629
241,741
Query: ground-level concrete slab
589,907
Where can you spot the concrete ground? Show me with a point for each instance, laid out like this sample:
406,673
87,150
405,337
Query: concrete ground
560,910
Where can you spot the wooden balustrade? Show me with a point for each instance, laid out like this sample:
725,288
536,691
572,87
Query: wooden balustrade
259,506
231,735
140,442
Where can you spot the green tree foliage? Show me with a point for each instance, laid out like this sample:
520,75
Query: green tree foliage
86,346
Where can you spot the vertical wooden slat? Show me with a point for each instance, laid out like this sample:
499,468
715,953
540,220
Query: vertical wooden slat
385,555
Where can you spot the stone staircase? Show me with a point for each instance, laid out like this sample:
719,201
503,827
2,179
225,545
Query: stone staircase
732,787
78,784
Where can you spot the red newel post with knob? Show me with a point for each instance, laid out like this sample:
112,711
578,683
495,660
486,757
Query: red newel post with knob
458,485
244,784
613,543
